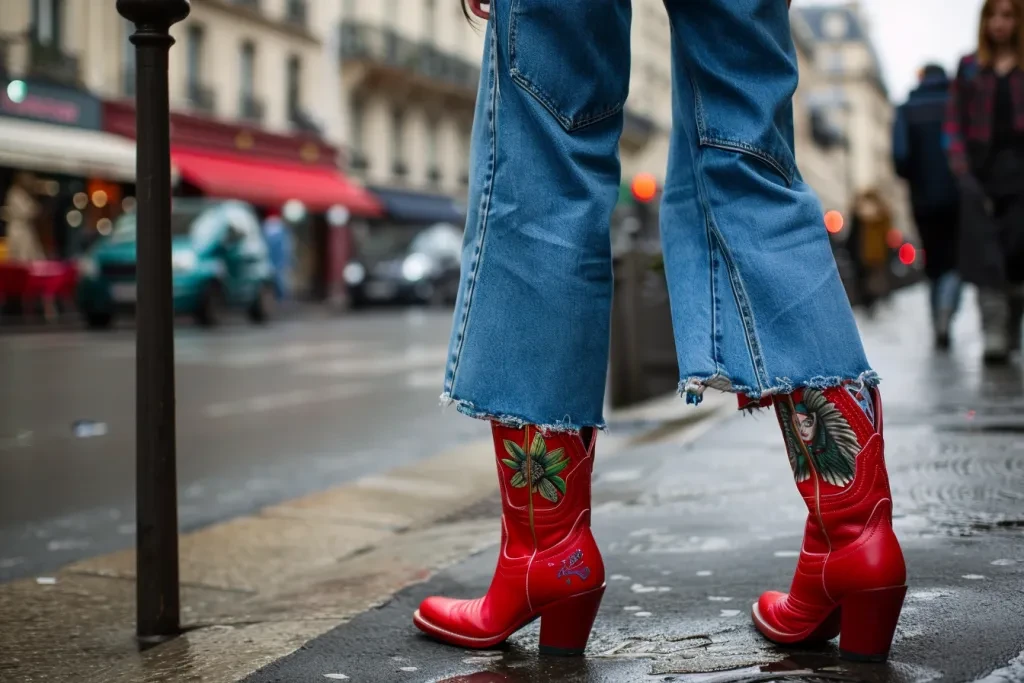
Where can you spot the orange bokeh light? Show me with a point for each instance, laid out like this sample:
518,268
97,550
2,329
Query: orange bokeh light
644,187
833,221
907,254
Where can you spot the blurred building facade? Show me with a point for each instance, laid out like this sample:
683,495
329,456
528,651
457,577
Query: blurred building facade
409,81
392,83
850,91
821,149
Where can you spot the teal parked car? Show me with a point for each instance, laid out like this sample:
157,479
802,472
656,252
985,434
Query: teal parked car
219,260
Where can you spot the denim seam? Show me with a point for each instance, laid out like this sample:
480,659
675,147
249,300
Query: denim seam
746,311
701,192
787,171
569,123
756,152
485,203
715,235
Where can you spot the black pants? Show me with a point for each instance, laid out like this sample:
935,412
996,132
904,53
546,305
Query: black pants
938,228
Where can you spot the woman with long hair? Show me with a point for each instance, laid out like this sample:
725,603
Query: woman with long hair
758,310
985,140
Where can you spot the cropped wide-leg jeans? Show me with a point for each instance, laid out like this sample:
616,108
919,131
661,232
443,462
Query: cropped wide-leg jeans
758,306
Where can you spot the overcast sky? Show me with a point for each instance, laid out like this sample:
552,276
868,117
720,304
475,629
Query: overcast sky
910,33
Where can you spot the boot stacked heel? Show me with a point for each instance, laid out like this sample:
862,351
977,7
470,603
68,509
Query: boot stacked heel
565,625
869,623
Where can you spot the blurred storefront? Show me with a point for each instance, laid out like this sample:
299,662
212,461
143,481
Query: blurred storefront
52,136
271,171
63,180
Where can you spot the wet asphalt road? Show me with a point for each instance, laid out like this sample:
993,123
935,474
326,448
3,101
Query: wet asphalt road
264,414
693,533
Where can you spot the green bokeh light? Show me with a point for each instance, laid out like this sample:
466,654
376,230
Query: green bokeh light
16,91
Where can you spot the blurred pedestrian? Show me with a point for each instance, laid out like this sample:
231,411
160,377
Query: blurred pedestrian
869,231
20,211
920,158
279,247
985,141
758,309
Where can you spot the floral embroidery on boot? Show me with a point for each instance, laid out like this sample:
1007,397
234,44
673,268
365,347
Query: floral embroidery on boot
539,467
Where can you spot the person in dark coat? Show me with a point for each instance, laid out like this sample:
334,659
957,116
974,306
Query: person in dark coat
985,143
920,158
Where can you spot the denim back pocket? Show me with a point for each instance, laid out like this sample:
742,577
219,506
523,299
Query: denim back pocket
572,56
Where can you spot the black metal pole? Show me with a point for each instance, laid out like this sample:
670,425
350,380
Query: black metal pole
158,604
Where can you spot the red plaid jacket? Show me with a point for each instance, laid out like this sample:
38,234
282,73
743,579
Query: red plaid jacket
968,127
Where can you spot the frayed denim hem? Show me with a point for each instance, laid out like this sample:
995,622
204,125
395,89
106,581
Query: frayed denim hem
692,389
515,421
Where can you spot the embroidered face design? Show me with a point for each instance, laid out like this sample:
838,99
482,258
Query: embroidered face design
806,424
819,439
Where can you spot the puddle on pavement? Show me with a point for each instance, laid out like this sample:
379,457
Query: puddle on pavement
729,655
1011,673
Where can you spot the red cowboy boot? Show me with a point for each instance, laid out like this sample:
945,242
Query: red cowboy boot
548,565
850,578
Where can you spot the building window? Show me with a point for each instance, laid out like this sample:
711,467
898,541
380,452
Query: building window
46,21
834,61
194,58
247,74
356,120
294,86
433,164
297,12
430,20
128,59
398,142
249,106
391,12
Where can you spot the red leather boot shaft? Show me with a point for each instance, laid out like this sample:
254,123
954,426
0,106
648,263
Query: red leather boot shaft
836,450
850,509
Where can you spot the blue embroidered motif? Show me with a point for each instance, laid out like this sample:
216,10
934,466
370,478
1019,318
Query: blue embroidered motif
571,567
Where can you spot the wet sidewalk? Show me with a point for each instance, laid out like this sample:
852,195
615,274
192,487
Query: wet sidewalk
693,531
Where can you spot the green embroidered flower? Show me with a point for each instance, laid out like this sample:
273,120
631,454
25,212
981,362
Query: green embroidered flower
540,467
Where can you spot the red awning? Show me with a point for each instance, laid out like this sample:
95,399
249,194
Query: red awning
269,183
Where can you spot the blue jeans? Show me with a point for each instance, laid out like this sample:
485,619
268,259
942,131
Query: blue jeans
945,296
757,303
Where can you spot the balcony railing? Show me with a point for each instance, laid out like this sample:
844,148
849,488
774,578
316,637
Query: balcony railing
297,12
251,108
202,98
51,63
362,42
